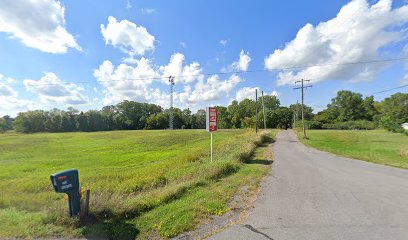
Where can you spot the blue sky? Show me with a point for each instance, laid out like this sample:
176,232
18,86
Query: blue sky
87,54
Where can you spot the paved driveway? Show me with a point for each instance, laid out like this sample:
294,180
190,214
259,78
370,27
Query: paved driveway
316,195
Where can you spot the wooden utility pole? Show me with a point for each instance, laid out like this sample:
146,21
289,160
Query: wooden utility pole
263,111
303,115
256,113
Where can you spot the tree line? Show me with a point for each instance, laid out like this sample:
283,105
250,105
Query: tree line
348,110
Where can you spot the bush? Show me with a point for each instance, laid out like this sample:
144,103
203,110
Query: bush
313,125
351,125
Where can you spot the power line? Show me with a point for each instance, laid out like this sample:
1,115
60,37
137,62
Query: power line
387,90
232,72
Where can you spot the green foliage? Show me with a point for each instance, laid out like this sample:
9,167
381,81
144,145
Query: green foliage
349,110
31,121
3,125
307,111
348,105
350,125
394,112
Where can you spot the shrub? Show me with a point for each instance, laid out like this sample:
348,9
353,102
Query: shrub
313,124
351,125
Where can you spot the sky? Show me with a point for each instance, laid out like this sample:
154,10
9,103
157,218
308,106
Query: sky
89,54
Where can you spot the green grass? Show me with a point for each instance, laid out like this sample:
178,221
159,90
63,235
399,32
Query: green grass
143,183
377,146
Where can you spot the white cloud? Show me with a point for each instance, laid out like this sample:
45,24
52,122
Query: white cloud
127,36
126,82
223,42
176,68
52,89
246,92
38,24
275,93
138,82
5,89
404,81
357,33
183,44
10,103
242,64
148,11
128,5
212,89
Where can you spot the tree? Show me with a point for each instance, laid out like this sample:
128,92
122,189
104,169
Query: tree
3,125
95,121
53,122
394,112
282,117
297,108
369,108
247,108
328,115
83,124
9,122
200,119
271,102
29,122
224,120
348,105
234,114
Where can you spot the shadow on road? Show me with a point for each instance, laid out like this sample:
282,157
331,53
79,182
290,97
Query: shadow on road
263,162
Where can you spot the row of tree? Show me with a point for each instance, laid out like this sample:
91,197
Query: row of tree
347,106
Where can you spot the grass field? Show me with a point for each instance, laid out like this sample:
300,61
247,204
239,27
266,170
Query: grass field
377,146
143,183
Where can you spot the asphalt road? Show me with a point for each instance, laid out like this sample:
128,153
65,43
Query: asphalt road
316,195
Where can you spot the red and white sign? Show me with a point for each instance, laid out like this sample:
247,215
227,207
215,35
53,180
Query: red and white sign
212,119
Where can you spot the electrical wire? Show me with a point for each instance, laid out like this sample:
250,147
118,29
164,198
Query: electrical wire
229,72
387,90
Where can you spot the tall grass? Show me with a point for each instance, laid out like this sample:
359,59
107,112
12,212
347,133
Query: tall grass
130,173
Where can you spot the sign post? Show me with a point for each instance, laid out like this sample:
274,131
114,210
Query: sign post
211,124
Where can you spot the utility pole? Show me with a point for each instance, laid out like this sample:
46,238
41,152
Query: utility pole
303,116
263,111
256,113
171,81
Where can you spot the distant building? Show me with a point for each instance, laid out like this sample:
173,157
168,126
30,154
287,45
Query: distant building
405,126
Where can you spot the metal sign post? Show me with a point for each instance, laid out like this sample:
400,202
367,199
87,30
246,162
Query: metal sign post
211,124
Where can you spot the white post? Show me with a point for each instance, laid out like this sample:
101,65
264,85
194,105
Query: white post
211,148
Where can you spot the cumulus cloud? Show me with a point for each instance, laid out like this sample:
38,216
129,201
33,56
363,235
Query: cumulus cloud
243,63
5,89
38,24
50,88
208,90
183,73
127,36
11,104
246,92
126,82
358,33
275,93
138,82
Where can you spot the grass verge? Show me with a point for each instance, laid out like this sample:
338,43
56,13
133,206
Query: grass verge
377,146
